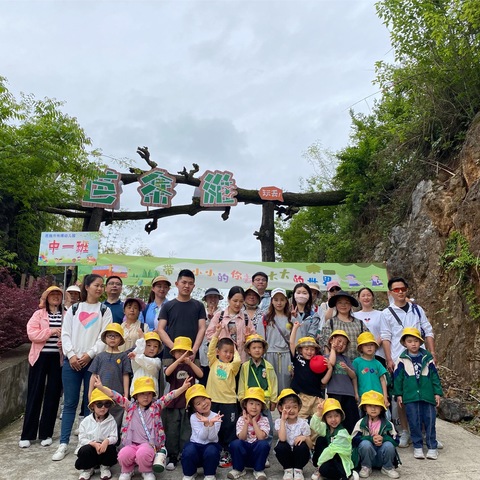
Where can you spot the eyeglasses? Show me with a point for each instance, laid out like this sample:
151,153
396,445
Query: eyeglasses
399,290
112,335
103,404
334,289
114,284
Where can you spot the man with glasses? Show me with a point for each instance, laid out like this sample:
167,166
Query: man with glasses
397,316
113,289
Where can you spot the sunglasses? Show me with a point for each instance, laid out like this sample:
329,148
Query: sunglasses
334,289
399,290
103,404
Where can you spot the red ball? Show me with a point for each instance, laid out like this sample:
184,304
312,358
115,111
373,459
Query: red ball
318,364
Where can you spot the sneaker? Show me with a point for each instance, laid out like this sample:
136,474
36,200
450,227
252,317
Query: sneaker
86,474
148,476
365,472
288,474
298,474
390,472
439,445
432,454
354,476
267,463
62,450
234,474
418,453
125,476
172,463
24,443
46,442
105,473
404,439
259,475
225,460
186,477
316,475
210,477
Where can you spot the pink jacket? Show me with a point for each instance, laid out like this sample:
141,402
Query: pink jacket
39,331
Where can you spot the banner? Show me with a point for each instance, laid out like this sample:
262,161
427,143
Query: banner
226,274
68,248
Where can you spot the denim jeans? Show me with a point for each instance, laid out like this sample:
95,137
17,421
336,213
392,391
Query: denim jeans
373,456
422,414
72,382
246,454
197,455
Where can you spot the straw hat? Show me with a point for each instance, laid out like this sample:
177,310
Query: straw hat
46,293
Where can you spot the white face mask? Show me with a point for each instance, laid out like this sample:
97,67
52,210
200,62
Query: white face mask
301,298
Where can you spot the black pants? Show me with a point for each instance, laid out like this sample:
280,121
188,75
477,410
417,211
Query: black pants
332,469
227,433
292,457
44,388
89,458
350,407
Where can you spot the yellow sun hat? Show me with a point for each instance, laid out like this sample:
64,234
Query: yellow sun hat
286,392
307,342
197,390
98,396
153,336
332,404
366,337
343,333
114,327
182,343
142,385
373,398
414,332
254,393
255,337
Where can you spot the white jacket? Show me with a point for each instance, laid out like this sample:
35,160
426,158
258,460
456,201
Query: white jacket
92,431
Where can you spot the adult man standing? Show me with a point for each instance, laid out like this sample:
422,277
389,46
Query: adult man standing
260,282
397,316
182,317
113,289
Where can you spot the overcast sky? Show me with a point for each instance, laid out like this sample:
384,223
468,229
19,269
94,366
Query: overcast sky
245,86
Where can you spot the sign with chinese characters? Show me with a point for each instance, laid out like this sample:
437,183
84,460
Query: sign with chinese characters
225,274
274,194
217,189
68,248
104,191
157,188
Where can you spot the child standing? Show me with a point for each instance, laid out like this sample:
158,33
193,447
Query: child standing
343,383
371,374
416,385
294,444
252,447
203,449
112,366
333,447
310,386
175,418
224,363
97,438
142,433
275,329
132,308
375,437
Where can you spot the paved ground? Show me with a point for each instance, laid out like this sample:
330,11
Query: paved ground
460,459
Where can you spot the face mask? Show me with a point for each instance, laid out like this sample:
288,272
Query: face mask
301,298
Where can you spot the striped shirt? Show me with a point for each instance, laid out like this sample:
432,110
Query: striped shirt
51,345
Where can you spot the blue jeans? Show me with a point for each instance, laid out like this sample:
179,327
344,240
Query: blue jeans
422,414
373,456
246,454
72,382
197,455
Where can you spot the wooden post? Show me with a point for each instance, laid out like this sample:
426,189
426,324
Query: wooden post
266,234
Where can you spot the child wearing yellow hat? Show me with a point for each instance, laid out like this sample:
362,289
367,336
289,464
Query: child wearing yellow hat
333,447
375,438
142,432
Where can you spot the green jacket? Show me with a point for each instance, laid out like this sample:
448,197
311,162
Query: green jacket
406,385
271,393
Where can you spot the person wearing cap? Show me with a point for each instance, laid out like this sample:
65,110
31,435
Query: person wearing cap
315,289
175,418
252,305
343,320
302,312
251,448
157,298
142,430
203,449
332,287
97,438
72,295
260,282
112,366
417,387
294,443
333,446
132,308
275,329
374,438
371,374
45,370
113,289
343,382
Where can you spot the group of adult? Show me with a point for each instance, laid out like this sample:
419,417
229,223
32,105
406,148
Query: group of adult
62,350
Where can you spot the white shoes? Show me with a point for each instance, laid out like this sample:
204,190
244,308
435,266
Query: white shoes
259,475
288,474
404,439
234,474
62,450
210,477
418,453
46,442
354,476
390,472
298,474
125,476
186,477
86,474
24,443
316,475
365,472
105,473
432,454
149,476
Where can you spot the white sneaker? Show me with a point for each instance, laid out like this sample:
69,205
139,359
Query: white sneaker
404,439
24,443
125,476
418,453
149,476
432,454
354,476
234,474
439,445
365,472
390,472
105,473
62,450
186,477
298,474
47,442
170,466
210,477
267,463
288,474
316,475
86,474
259,475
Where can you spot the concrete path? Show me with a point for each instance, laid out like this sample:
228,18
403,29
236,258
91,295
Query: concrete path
460,459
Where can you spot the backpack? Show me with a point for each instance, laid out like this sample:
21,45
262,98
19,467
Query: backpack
103,309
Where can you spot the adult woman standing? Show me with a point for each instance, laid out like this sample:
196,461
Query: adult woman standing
45,373
158,296
343,320
310,321
81,341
